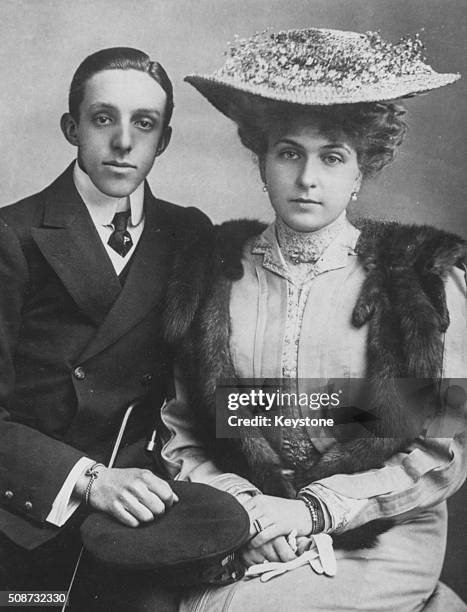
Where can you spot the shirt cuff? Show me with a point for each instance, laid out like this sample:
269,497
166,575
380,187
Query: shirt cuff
64,505
235,485
338,510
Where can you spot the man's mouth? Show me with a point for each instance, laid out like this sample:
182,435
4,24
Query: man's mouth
118,164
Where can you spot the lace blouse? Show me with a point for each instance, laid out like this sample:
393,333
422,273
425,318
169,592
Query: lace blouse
301,252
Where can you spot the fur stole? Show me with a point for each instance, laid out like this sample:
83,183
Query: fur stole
402,299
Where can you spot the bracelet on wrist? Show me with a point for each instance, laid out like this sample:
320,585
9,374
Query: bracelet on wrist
316,512
92,473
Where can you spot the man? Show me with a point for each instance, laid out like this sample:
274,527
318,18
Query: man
83,270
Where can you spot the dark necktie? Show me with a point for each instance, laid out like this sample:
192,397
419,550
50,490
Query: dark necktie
120,240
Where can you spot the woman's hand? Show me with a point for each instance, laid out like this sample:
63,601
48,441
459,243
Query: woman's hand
277,517
275,550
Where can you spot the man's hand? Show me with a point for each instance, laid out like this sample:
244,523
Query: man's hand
130,495
277,517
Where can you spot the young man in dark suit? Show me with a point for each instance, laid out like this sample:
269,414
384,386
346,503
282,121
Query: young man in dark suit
83,270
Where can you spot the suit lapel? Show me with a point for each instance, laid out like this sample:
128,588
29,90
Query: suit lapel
145,282
70,243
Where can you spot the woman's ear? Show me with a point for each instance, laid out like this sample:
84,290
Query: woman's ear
69,129
262,169
358,182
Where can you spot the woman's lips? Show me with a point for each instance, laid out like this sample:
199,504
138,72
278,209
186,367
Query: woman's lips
305,201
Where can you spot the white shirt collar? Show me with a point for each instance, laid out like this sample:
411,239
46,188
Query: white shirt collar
102,207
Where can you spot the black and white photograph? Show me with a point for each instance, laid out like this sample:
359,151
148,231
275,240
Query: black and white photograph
233,305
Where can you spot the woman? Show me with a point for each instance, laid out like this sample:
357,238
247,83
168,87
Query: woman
314,297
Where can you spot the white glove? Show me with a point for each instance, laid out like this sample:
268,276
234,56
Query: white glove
320,557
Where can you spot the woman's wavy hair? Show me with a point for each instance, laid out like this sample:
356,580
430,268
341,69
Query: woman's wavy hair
375,129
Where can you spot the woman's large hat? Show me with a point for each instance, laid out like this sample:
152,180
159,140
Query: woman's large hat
319,67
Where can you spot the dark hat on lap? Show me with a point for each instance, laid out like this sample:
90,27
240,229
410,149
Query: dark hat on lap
194,535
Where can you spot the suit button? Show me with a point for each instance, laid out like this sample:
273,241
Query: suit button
79,373
28,506
9,494
146,379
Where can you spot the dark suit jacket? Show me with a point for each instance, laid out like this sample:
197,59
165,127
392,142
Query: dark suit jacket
75,346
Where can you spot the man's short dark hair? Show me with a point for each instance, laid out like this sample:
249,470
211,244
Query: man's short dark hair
118,58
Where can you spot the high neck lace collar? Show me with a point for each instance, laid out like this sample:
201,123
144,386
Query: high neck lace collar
306,247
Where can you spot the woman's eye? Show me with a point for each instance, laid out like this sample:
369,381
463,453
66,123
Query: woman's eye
290,154
332,159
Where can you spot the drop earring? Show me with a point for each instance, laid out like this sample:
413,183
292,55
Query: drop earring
354,196
265,187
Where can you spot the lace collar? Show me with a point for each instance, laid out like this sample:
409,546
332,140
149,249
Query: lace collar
334,256
306,247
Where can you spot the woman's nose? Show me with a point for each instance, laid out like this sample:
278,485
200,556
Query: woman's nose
308,175
122,139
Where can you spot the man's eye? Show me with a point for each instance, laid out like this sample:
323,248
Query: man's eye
102,120
288,154
145,124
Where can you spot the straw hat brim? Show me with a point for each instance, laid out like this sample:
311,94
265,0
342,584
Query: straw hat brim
227,93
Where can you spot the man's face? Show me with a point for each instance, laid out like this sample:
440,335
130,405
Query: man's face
120,129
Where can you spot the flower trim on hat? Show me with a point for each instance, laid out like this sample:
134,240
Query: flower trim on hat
300,58
322,66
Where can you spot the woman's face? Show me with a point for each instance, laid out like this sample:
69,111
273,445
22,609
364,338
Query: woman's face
310,176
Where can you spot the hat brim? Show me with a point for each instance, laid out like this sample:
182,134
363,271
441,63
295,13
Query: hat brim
206,524
226,94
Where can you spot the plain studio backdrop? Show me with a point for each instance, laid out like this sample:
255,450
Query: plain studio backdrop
43,41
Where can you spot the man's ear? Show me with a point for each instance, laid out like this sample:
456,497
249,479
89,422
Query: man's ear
69,129
164,141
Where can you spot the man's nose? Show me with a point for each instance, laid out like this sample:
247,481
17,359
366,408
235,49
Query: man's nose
309,173
122,138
